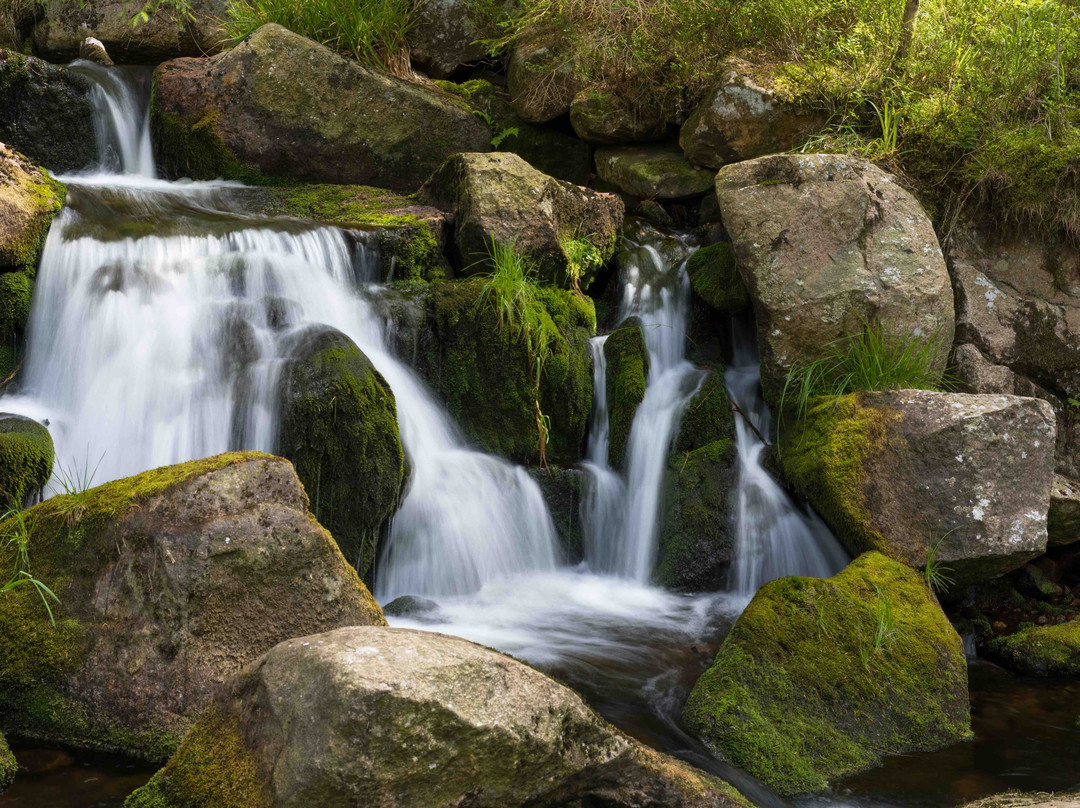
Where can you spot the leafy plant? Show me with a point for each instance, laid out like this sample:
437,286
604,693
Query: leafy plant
14,549
183,8
582,258
503,134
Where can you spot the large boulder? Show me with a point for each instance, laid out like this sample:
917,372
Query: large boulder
26,461
29,199
827,243
652,172
484,372
1040,650
401,718
281,105
500,197
627,361
168,583
742,117
338,426
715,279
964,478
47,113
64,25
446,35
599,116
541,78
820,678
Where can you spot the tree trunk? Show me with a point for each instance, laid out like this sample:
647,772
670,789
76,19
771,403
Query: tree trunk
907,29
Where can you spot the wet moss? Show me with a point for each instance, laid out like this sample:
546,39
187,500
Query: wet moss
38,197
8,765
716,280
1041,650
627,375
821,678
26,460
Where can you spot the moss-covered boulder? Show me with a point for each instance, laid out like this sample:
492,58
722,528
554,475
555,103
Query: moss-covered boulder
820,678
8,765
912,472
169,582
1040,650
600,116
652,172
446,35
541,78
47,114
1063,517
716,279
339,428
563,489
26,460
29,199
281,105
401,719
627,361
697,542
565,232
484,371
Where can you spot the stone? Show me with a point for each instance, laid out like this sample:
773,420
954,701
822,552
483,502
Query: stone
499,197
903,471
652,172
829,243
281,105
94,51
541,79
446,35
1063,518
627,361
26,461
563,490
603,117
822,678
338,426
975,374
411,606
29,199
1040,650
64,26
715,279
742,117
397,717
8,765
47,113
168,583
1013,799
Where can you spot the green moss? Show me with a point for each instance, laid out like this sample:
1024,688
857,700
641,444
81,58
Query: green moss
193,149
627,375
40,197
213,768
26,460
8,765
821,678
1041,650
16,294
716,280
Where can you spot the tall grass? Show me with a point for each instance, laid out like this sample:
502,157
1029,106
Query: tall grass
15,557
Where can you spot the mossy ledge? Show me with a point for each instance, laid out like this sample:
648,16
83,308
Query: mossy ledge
1041,650
627,376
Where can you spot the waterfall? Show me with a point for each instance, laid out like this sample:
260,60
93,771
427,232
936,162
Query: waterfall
163,316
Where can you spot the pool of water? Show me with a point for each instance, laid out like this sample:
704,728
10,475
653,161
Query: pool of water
51,778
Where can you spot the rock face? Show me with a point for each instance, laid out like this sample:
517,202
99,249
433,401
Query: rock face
485,375
901,472
29,199
395,717
8,765
47,113
1041,650
26,460
501,197
445,36
826,243
652,172
602,117
339,428
1063,518
627,374
820,678
716,280
740,119
541,79
696,540
563,490
281,105
64,25
168,582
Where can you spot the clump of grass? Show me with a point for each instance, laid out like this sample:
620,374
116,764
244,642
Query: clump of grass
938,575
14,554
74,482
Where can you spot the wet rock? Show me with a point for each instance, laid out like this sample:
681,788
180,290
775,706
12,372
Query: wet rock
741,118
655,214
1013,799
1031,581
825,244
1040,650
339,428
500,197
411,718
541,79
168,583
64,26
599,116
902,472
716,280
284,106
8,765
94,51
1063,518
563,489
820,678
627,375
445,36
47,113
411,606
26,461
652,172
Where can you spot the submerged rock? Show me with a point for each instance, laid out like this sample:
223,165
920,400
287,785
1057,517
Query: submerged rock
168,583
716,280
411,606
281,105
1063,518
1040,650
29,199
567,233
26,461
827,243
8,765
909,473
820,678
339,428
652,172
93,50
47,114
413,719
627,375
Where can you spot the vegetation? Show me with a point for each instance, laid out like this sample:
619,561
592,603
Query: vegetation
15,557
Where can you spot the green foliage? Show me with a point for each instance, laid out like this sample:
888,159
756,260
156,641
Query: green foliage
938,575
15,557
583,259
183,10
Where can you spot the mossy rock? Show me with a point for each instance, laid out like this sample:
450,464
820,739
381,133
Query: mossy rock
1041,650
8,765
16,295
484,374
26,460
652,172
627,376
339,428
696,539
168,583
29,199
821,678
563,489
716,279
